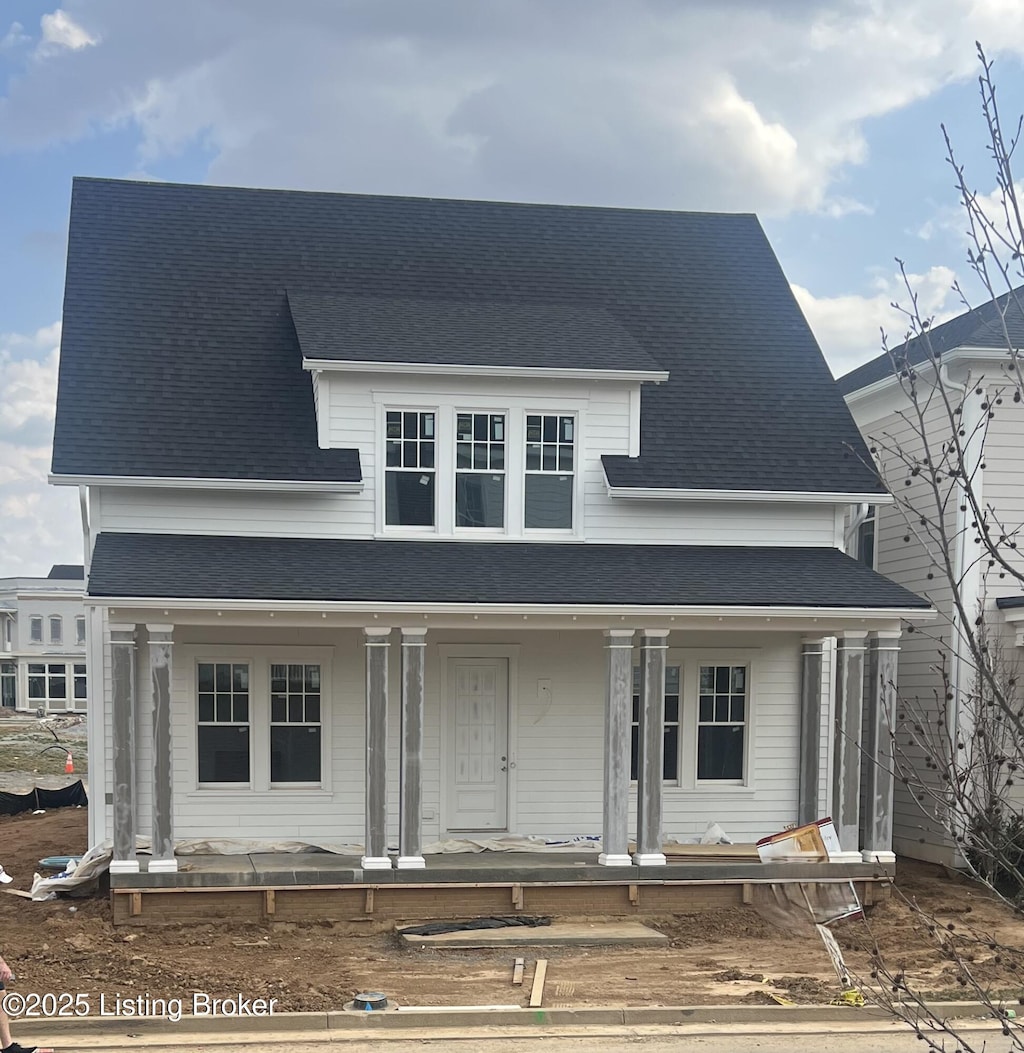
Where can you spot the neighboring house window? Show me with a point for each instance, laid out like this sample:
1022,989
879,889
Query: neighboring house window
409,483
8,685
721,723
56,629
295,730
8,632
79,630
550,468
223,719
81,683
866,537
48,684
480,470
670,770
35,630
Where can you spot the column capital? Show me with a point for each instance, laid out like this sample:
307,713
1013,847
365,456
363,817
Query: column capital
655,634
377,635
817,642
619,637
885,639
413,637
160,634
122,633
852,638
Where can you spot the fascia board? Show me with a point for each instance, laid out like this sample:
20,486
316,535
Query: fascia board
310,486
604,610
442,369
763,496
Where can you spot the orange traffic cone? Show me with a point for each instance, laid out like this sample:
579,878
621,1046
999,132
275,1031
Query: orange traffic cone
69,765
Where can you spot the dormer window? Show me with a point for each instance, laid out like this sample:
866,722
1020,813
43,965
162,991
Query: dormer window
409,483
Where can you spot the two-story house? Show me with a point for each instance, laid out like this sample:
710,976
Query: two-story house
971,351
416,522
42,642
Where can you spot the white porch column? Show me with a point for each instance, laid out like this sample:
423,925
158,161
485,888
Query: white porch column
849,701
617,725
653,646
410,807
375,851
122,704
810,807
883,658
162,859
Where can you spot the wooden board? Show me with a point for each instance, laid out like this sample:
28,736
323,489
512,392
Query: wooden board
537,994
517,972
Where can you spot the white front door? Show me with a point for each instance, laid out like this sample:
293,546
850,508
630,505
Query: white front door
477,796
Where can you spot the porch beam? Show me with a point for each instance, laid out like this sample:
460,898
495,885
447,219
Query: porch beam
122,705
617,728
810,806
846,766
650,777
410,802
375,850
160,643
883,659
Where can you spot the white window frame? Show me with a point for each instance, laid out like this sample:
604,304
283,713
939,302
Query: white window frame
56,638
80,630
439,452
197,724
575,489
76,676
9,673
479,532
35,635
319,724
48,702
516,409
732,660
259,660
678,723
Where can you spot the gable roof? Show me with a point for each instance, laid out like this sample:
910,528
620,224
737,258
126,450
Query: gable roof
463,332
67,572
980,327
179,355
177,566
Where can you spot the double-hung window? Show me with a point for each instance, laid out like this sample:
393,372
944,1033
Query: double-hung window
722,723
295,728
79,631
670,768
480,470
56,629
550,471
35,630
410,446
224,729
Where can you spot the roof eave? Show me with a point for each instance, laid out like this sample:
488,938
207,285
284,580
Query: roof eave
653,493
965,353
308,486
634,376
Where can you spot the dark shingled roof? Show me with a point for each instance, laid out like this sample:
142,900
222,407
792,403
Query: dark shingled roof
175,566
1009,603
449,332
67,572
179,355
979,327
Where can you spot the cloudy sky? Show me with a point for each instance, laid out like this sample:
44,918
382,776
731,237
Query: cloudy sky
822,117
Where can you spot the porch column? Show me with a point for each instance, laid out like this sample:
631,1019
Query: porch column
653,645
618,714
375,851
410,807
849,700
162,859
122,705
810,806
883,657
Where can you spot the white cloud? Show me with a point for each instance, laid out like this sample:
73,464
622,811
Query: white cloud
40,522
15,37
849,327
60,31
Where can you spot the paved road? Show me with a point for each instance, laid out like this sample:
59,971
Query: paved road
737,1039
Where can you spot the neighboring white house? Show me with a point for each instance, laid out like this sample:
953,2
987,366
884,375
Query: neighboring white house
972,349
556,493
43,642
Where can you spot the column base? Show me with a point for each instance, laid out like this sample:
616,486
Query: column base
375,862
877,855
163,866
845,857
611,859
649,859
124,866
411,863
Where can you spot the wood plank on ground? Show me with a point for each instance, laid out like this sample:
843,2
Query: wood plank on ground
539,975
517,972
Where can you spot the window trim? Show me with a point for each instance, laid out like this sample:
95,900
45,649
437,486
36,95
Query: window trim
576,489
9,674
33,636
382,476
56,638
471,531
197,724
80,630
678,724
746,781
46,701
271,724
259,660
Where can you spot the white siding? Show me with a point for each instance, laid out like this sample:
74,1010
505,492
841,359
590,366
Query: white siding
556,746
1004,490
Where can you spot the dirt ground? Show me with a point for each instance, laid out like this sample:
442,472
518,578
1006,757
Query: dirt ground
33,755
714,957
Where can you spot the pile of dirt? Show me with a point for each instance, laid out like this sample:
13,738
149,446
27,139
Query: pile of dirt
723,956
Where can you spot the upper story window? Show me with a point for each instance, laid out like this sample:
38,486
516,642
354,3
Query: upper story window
80,630
409,478
56,629
866,537
480,470
35,630
550,471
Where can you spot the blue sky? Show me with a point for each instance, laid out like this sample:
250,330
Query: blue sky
822,117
